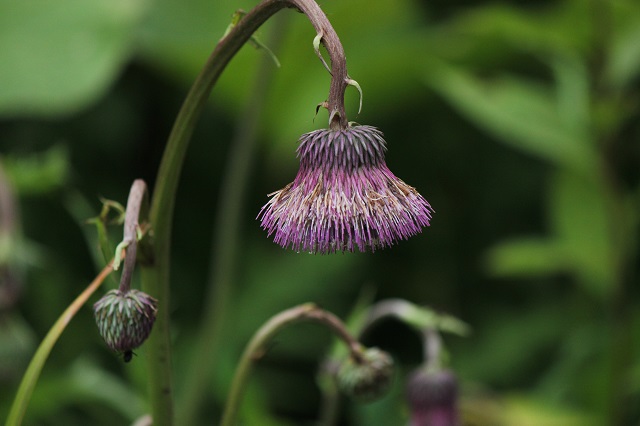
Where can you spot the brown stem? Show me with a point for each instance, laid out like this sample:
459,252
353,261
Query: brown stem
338,327
339,77
256,348
330,40
131,219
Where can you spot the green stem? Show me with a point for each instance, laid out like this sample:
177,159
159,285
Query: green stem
155,276
330,405
30,377
225,242
258,344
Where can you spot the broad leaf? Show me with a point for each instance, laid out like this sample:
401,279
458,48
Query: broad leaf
58,56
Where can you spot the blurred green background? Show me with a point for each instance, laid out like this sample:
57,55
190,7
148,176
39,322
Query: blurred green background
518,120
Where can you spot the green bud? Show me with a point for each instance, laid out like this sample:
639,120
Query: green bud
368,378
125,320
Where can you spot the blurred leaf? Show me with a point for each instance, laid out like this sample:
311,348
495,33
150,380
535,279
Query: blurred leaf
38,173
581,367
624,60
562,27
521,410
521,114
581,210
84,382
528,411
526,257
572,87
420,318
585,240
178,35
17,344
509,343
59,56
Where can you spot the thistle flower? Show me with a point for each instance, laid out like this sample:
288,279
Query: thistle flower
125,319
432,395
367,379
344,196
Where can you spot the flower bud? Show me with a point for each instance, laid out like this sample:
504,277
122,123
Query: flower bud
124,319
368,378
432,396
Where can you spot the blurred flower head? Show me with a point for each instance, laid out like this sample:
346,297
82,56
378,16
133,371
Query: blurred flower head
432,395
344,196
125,319
369,378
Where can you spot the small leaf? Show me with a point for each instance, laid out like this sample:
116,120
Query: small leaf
38,173
352,82
316,47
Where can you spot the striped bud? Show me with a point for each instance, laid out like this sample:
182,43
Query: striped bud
124,319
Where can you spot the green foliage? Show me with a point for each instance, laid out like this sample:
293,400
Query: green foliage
518,121
60,56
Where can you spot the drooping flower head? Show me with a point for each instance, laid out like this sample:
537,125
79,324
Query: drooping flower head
344,196
125,319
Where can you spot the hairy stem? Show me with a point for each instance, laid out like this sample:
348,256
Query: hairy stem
257,347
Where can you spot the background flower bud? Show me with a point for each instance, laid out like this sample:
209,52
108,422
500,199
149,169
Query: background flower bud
432,395
367,379
125,320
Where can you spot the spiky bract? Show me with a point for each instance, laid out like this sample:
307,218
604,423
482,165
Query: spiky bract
344,196
124,319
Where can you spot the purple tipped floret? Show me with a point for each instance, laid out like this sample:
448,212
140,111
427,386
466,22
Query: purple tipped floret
344,197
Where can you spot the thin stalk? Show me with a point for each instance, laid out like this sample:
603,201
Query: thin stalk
9,226
224,253
131,226
330,408
155,276
258,344
19,406
432,344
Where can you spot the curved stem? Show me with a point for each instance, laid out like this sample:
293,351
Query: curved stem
225,248
339,76
30,377
256,348
155,276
